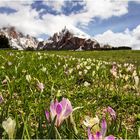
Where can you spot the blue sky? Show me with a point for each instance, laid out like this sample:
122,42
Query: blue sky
115,22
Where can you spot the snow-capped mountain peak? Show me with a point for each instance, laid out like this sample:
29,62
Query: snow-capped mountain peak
17,40
70,39
76,32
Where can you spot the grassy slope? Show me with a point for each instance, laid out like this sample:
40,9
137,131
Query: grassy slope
104,90
118,56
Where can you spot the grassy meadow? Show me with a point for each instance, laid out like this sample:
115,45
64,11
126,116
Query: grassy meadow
92,80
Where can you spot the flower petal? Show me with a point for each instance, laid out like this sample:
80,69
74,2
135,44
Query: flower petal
90,122
90,135
53,108
47,115
68,111
109,138
111,111
103,127
59,109
86,121
1,99
98,135
9,126
67,107
63,102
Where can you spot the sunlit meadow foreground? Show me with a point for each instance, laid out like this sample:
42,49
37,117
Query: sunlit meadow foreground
50,96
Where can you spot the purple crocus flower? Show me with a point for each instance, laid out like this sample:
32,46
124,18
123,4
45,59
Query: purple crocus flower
40,86
111,112
47,115
113,71
96,136
103,127
61,110
100,135
1,99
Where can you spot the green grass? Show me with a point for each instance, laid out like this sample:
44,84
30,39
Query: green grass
130,56
64,74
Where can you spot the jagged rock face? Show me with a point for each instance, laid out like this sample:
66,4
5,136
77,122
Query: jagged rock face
66,40
17,40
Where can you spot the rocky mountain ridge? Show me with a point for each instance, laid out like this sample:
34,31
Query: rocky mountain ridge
64,40
69,40
17,40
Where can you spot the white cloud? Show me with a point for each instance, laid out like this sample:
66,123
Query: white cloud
55,4
24,19
57,23
126,38
103,9
27,19
17,5
136,32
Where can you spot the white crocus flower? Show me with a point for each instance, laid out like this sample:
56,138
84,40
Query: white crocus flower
134,73
86,84
93,73
9,126
40,86
90,122
70,70
88,67
80,73
44,69
78,67
85,71
9,63
136,78
28,78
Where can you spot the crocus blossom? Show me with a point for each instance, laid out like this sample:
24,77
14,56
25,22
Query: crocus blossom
113,71
1,99
100,135
111,112
28,78
40,86
136,78
90,122
47,115
103,127
9,126
61,110
86,84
